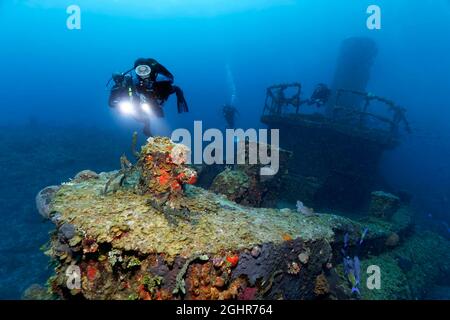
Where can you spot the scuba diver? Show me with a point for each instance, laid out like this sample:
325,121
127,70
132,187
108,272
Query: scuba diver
279,99
142,91
399,117
320,96
229,113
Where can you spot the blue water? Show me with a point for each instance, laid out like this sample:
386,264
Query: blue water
55,120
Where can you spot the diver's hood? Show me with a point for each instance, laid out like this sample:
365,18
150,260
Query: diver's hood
143,71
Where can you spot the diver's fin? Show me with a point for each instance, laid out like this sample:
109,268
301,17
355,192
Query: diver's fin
181,101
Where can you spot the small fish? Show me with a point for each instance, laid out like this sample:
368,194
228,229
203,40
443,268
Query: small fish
355,290
363,235
353,281
352,268
351,277
357,268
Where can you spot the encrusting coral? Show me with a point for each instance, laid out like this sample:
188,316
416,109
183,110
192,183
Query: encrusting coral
245,184
161,172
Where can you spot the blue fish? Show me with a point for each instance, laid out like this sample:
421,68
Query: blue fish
363,235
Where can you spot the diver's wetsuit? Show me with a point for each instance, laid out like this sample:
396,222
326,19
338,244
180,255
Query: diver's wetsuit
152,88
229,113
162,89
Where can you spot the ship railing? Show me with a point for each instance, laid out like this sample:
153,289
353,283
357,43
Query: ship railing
362,115
277,102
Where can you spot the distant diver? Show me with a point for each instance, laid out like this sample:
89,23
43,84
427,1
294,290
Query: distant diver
142,91
277,99
229,113
320,95
399,117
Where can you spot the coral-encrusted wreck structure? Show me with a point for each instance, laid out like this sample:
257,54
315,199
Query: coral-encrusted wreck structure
336,149
159,174
145,232
244,183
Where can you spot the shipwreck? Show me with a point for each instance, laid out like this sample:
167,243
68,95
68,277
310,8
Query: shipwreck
145,232
336,148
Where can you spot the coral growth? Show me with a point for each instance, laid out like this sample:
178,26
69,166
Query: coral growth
86,175
383,205
37,292
252,184
321,286
392,240
234,184
43,200
293,268
212,280
163,170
